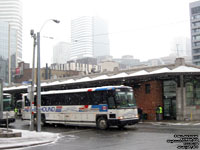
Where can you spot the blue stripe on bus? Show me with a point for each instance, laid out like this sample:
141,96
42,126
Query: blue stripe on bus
104,89
101,108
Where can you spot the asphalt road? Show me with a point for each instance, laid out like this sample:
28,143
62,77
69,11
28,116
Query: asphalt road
139,137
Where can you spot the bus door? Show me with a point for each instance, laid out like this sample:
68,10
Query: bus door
111,105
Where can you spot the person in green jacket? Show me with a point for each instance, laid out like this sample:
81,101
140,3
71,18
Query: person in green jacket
159,113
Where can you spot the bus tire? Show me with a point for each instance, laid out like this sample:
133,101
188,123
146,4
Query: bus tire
102,123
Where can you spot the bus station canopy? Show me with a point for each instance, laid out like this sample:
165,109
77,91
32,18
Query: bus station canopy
142,74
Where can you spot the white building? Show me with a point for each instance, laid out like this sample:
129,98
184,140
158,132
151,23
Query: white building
75,66
61,52
109,66
89,38
11,12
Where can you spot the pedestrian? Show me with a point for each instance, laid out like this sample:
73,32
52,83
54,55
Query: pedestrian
16,111
140,113
159,113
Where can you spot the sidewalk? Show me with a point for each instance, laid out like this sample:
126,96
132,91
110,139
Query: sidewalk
172,123
29,138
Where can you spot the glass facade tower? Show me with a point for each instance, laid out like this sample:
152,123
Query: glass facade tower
89,37
11,12
8,44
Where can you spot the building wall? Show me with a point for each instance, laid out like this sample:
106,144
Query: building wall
195,32
149,102
109,66
26,74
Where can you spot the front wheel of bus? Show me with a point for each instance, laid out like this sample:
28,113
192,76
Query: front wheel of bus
102,123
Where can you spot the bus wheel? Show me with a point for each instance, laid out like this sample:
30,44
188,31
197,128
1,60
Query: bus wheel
102,123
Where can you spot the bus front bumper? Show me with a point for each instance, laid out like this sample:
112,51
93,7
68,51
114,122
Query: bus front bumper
124,122
4,121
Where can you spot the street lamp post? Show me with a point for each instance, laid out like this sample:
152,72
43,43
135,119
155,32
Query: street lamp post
38,76
33,35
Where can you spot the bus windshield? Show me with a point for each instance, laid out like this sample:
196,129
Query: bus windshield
125,98
7,104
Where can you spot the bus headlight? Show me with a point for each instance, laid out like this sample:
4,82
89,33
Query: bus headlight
121,117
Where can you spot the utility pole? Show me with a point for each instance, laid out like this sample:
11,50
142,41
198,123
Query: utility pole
38,106
33,35
38,85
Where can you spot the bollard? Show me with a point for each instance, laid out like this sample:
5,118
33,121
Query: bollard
7,120
191,116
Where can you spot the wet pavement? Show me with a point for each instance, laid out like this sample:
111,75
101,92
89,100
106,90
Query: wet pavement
139,137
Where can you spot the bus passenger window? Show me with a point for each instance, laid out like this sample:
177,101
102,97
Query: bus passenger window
111,103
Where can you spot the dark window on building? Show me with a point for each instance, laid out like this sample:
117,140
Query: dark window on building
196,51
193,93
196,10
147,88
196,57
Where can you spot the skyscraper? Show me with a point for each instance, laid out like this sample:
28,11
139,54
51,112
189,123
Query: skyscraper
89,37
8,44
10,38
195,31
11,12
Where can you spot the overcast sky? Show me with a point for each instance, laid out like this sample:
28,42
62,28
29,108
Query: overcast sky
142,28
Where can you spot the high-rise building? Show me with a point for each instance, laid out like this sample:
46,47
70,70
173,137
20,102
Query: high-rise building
89,37
8,44
61,53
11,12
195,31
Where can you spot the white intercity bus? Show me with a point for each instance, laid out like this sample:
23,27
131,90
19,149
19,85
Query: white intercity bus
100,106
8,110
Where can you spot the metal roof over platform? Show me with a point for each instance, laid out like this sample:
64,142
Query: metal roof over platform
127,77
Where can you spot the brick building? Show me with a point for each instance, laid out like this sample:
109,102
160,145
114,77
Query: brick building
148,96
25,73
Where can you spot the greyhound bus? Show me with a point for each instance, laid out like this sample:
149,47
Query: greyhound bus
8,110
101,106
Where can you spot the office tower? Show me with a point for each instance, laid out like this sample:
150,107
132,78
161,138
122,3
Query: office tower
8,44
89,38
61,53
195,31
11,12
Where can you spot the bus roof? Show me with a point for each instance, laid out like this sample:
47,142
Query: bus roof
6,94
103,88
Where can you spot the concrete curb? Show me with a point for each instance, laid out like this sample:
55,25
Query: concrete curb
29,138
25,145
